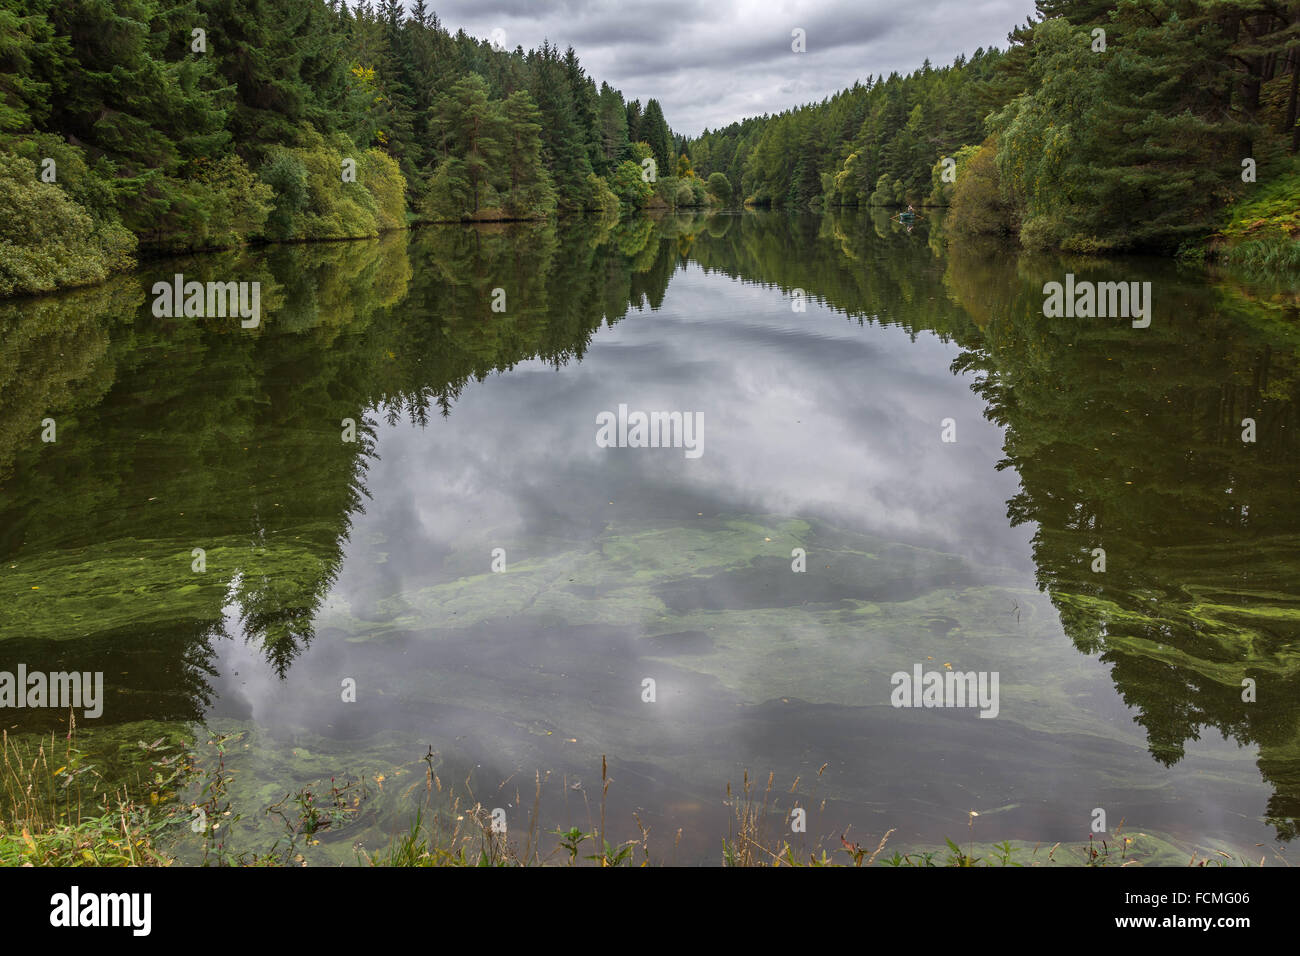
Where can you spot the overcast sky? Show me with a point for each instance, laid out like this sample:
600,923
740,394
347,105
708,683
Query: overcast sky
710,62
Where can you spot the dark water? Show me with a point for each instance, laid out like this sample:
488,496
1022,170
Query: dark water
371,561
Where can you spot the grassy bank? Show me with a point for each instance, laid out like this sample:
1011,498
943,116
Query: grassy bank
1263,233
56,811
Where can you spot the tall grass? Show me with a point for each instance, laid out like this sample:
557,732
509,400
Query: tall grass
55,811
1270,256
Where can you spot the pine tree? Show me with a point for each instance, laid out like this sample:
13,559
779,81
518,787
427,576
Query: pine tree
654,130
634,122
468,127
565,145
612,126
526,184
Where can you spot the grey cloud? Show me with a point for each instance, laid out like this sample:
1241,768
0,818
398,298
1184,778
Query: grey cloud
711,64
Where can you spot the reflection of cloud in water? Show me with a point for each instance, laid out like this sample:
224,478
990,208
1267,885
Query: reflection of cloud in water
826,419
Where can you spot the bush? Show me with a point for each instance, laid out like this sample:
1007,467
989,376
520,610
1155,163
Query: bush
312,201
49,242
92,189
977,204
602,199
941,192
719,186
221,204
447,197
383,179
627,184
287,176
883,195
665,192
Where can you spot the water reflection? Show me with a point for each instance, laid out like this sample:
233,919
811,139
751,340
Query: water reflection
370,558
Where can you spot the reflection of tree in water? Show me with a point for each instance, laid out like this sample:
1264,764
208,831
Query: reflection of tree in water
1123,439
1127,439
559,288
1130,440
178,434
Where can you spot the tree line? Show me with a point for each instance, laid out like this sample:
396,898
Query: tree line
1104,127
130,127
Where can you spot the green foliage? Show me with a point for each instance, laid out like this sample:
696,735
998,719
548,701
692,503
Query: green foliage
1266,256
627,183
1046,136
47,241
447,196
720,188
151,134
655,132
602,198
222,204
1135,147
835,152
493,166
467,124
977,203
883,194
612,128
941,191
89,187
527,184
286,174
1263,229
382,177
314,201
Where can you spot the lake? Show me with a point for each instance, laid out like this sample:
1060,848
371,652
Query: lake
379,537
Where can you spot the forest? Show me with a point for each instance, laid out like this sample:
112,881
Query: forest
139,127
132,128
1144,125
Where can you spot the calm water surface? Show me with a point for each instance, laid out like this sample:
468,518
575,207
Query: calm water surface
371,561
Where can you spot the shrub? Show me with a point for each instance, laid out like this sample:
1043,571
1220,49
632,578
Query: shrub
883,195
719,186
602,198
977,203
313,202
47,241
383,179
287,176
628,185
